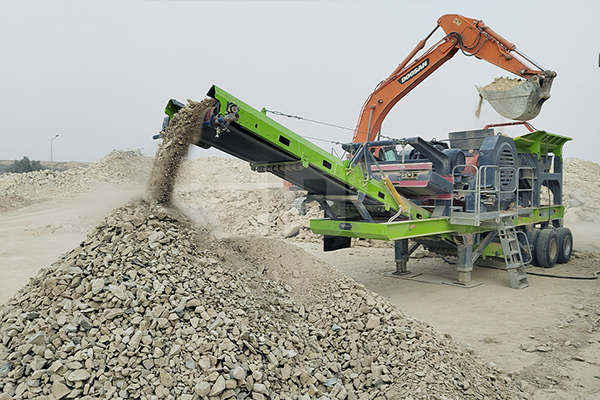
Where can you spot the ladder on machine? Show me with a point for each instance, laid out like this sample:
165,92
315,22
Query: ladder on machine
512,253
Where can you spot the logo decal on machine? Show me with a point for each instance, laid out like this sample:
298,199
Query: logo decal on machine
415,71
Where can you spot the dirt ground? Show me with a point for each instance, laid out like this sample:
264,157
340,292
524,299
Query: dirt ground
547,336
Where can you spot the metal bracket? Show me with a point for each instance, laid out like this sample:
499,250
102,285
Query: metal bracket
484,243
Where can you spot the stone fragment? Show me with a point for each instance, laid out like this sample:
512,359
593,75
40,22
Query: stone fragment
166,379
97,285
117,292
286,372
218,387
373,322
38,363
113,312
238,373
79,375
291,230
259,388
157,353
136,339
5,369
263,219
39,338
203,388
59,390
56,365
31,315
85,324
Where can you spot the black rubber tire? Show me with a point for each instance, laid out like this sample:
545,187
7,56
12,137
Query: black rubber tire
534,242
547,248
565,244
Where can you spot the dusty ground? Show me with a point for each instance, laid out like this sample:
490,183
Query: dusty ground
34,236
547,335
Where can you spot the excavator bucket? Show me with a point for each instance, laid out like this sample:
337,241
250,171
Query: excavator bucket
518,99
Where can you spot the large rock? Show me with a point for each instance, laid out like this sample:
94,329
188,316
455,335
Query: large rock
291,230
79,375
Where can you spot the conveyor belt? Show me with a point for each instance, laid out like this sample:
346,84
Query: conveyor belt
244,144
269,146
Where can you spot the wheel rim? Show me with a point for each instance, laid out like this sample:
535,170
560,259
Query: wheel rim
553,249
567,246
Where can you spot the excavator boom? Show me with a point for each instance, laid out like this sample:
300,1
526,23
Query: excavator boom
472,37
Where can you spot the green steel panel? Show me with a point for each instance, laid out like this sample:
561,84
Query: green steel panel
492,250
541,143
420,228
382,231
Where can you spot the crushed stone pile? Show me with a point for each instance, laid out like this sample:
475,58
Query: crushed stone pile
230,199
258,212
148,307
226,173
581,189
116,169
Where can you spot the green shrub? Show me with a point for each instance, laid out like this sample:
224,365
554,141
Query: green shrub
25,165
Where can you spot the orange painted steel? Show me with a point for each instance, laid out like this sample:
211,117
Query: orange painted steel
471,36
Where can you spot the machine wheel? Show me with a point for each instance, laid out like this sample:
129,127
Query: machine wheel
565,244
534,242
547,248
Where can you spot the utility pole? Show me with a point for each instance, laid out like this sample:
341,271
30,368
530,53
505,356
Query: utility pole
51,166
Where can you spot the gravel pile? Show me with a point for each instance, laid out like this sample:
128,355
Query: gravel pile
116,169
581,190
255,212
149,307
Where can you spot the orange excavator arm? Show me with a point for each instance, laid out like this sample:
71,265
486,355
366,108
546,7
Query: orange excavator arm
473,38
